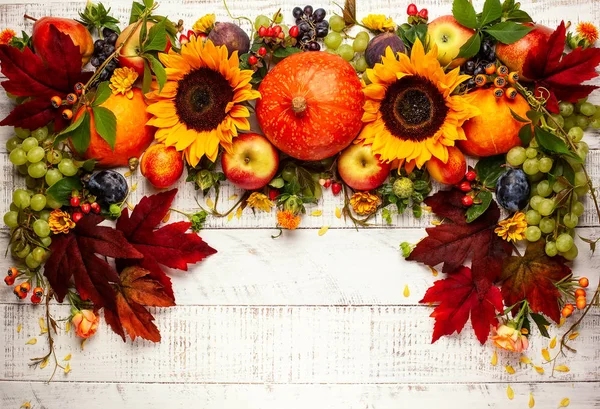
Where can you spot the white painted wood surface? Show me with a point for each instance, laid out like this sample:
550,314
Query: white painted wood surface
301,321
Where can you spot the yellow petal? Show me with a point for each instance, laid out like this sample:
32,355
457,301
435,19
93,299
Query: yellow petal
509,369
32,341
564,403
573,335
67,358
67,368
230,216
553,343
44,363
531,400
539,369
210,203
562,368
406,291
510,393
338,213
83,343
68,327
238,212
323,230
435,274
525,360
545,354
316,213
233,197
494,361
19,328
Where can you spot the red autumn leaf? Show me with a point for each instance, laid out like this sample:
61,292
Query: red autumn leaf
135,292
29,76
169,245
562,75
461,296
532,277
74,258
454,242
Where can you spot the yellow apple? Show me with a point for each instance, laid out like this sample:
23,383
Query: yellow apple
449,36
360,169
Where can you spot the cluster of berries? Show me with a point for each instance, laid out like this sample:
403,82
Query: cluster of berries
85,207
500,77
336,187
415,13
70,100
311,26
254,58
185,38
580,299
272,33
465,186
21,290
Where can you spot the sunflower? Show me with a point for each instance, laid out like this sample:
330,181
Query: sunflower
410,114
199,107
204,24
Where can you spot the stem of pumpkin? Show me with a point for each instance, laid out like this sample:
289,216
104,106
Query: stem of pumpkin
299,105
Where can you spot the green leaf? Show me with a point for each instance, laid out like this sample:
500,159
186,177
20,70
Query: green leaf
64,134
148,3
508,5
534,116
157,38
102,93
471,47
283,52
508,32
492,10
158,70
478,209
147,78
80,137
490,169
541,323
553,143
563,168
136,11
518,117
465,14
519,16
143,32
525,134
61,190
89,165
106,125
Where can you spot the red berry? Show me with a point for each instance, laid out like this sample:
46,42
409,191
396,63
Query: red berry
85,208
252,60
262,51
327,183
38,291
467,200
9,280
412,10
424,14
75,201
294,31
270,32
25,287
35,299
67,114
191,34
95,207
465,186
262,31
281,35
276,30
77,216
336,188
584,282
56,101
471,175
71,98
183,39
273,193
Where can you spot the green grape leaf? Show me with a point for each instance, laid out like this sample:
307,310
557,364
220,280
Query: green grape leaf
464,12
147,78
80,136
519,16
157,38
61,191
525,134
106,125
64,134
283,52
158,70
553,143
508,32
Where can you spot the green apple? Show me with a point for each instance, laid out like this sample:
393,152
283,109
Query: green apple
449,36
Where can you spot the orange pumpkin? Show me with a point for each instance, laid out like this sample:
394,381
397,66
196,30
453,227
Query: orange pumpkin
311,105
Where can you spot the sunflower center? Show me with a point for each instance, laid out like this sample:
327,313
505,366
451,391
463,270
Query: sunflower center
413,108
202,96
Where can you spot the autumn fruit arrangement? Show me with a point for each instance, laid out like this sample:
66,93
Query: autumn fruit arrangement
384,115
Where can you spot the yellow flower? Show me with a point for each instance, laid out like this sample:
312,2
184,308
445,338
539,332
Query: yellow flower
204,24
122,81
6,35
260,201
512,228
199,108
287,219
60,222
364,203
587,31
379,22
410,114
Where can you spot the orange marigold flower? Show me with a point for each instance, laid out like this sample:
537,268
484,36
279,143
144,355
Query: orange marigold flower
122,81
287,219
512,228
6,35
364,203
85,323
587,31
60,222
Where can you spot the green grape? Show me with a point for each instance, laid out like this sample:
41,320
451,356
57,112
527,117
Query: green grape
262,21
41,228
36,154
21,198
364,35
11,219
30,182
535,202
544,189
46,241
54,157
569,123
564,242
581,121
559,119
336,23
533,233
360,44
577,209
21,250
18,157
595,123
38,202
558,186
597,113
566,109
531,152
361,64
587,109
531,166
579,103
547,225
31,262
576,133
533,190
582,149
550,248
38,169
284,28
545,165
52,203
536,177
23,169
67,167
532,217
546,207
44,214
333,40
40,134
12,143
53,176
29,143
38,254
22,132
580,178
346,52
570,254
570,220
14,208
516,156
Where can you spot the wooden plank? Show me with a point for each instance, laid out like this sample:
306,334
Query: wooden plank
268,396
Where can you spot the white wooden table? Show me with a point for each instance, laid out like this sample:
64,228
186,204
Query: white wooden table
298,322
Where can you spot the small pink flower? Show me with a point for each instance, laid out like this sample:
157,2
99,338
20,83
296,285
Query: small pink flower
85,323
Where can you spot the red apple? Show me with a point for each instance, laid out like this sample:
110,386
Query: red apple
253,162
129,55
449,36
451,172
360,169
514,55
77,31
162,165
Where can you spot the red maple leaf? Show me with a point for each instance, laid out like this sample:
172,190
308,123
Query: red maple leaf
29,76
562,75
532,277
169,245
462,295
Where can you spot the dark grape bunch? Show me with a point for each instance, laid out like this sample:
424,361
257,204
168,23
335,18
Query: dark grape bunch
476,66
311,25
102,49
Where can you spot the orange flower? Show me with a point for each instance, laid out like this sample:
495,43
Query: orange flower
287,219
60,222
587,31
509,338
6,35
85,323
364,203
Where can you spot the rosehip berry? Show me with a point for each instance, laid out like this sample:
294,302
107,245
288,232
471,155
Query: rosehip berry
502,71
424,14
490,68
336,188
71,98
38,291
12,272
56,101
465,186
35,299
262,51
252,60
262,31
77,216
513,77
327,184
584,282
25,287
75,201
581,303
471,175
273,193
9,280
566,312
294,31
20,294
86,208
580,292
79,87
511,93
412,10
95,207
467,200
67,114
